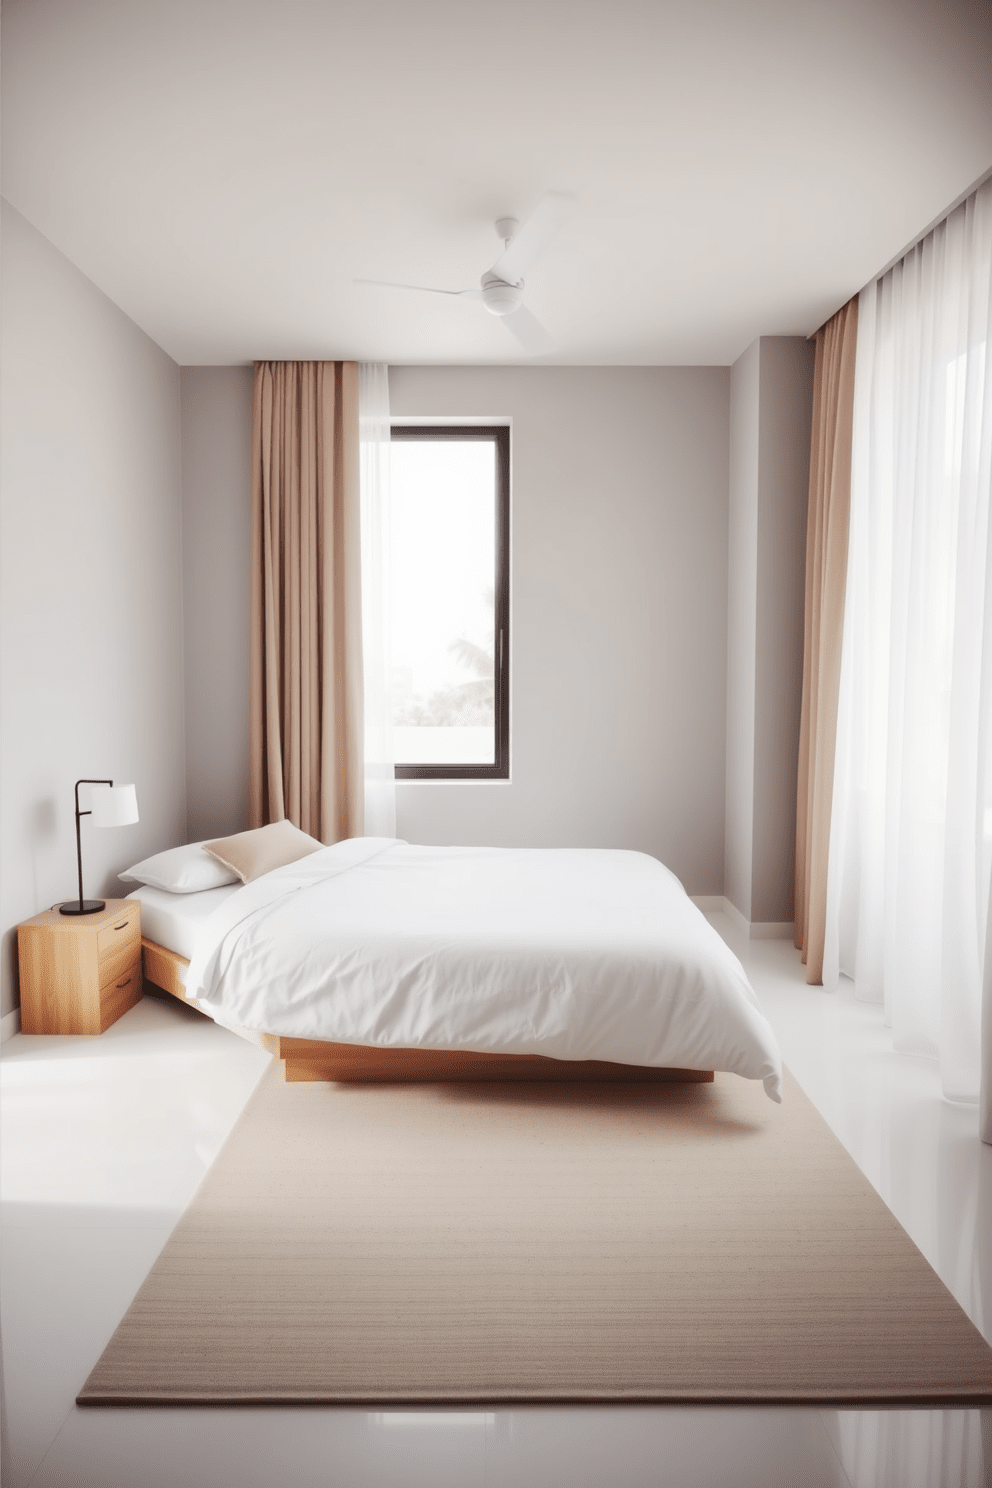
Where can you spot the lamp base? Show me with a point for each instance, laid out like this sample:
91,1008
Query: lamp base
88,906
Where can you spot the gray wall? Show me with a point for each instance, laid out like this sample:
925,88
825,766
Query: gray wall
618,613
216,478
770,417
91,581
783,463
742,581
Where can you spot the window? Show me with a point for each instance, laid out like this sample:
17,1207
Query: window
450,601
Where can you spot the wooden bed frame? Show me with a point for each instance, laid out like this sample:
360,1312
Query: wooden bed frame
315,1059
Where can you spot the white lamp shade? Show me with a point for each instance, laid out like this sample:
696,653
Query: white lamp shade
113,805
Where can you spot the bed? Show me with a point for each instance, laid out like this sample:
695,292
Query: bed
379,959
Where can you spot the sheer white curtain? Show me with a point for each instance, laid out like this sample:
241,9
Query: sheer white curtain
911,823
373,434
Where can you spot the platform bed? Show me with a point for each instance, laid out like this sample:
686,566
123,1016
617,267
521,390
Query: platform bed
314,1059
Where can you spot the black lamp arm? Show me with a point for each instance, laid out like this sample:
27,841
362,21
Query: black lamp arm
79,849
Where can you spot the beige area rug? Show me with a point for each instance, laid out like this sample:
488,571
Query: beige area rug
688,1243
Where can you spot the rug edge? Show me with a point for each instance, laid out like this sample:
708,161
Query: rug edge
738,1398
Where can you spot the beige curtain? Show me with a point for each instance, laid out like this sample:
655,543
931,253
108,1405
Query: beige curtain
826,579
306,727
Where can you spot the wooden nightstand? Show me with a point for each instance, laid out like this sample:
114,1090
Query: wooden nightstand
78,974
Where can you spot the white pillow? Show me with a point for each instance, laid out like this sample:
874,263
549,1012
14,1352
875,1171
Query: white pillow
181,870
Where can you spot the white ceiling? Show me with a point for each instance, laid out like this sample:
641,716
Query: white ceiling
224,169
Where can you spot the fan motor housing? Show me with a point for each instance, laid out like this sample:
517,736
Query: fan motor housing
499,297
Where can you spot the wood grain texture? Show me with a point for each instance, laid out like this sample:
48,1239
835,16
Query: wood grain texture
165,968
78,974
310,1059
119,995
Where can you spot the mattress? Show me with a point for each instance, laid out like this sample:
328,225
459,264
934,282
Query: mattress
571,954
177,921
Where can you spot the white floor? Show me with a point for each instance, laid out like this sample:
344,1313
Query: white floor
105,1140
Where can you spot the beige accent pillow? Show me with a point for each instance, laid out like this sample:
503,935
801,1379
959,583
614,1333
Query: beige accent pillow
250,854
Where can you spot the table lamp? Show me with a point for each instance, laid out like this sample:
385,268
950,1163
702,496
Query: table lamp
111,806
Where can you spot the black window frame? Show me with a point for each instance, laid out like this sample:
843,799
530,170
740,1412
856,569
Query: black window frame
499,434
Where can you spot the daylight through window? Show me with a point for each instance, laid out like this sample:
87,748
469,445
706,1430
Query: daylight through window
450,589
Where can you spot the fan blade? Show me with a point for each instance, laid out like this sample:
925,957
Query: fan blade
529,331
471,294
535,235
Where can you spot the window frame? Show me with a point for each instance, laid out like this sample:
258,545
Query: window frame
499,434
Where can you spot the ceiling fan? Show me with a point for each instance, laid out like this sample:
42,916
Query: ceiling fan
501,288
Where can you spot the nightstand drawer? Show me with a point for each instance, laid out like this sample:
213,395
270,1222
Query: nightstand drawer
122,992
125,925
119,944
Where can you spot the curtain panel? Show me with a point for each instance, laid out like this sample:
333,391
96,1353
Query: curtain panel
306,742
826,576
911,828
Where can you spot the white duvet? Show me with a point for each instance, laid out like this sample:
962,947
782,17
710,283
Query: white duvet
572,953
